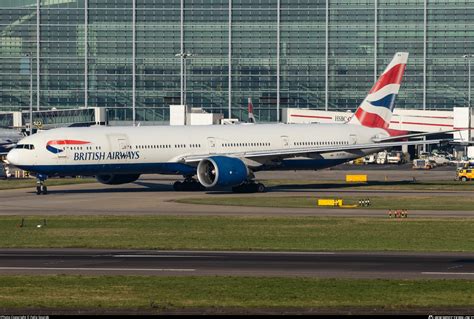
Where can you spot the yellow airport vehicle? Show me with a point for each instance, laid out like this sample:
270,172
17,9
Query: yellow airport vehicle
358,161
465,174
356,178
334,203
329,202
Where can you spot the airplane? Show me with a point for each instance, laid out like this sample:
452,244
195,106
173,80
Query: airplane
219,155
8,139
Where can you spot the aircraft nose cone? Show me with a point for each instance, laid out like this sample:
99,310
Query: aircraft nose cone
13,157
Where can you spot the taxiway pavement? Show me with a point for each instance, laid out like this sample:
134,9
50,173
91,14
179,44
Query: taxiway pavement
154,195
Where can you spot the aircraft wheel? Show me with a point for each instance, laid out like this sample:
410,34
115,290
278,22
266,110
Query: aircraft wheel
178,186
261,188
38,190
44,191
249,188
196,186
187,186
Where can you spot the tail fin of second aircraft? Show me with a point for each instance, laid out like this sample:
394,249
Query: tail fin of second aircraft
251,118
377,108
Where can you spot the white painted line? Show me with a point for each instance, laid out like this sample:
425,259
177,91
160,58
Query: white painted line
448,273
454,267
98,269
273,252
157,256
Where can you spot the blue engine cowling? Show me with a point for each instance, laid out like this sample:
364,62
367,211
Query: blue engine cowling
221,171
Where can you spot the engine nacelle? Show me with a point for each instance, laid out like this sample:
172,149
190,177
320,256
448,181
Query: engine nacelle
117,179
221,171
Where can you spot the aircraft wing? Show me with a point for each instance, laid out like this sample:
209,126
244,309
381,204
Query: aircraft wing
6,146
394,138
264,155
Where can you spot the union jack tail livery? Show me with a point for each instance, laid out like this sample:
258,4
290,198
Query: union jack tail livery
377,108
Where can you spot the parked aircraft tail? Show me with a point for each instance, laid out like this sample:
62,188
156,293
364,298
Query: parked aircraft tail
377,108
251,118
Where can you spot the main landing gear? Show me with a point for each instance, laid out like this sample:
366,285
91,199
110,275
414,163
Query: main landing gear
249,187
188,185
40,186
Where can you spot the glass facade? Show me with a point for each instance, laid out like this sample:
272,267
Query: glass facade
319,54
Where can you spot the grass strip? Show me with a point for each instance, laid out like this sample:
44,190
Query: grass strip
239,233
31,182
148,292
425,202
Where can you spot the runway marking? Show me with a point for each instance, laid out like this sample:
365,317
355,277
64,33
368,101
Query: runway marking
98,269
447,273
454,267
157,256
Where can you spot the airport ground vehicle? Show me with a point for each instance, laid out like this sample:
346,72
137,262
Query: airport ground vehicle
465,174
382,157
395,158
452,161
358,161
470,152
464,165
440,159
421,163
370,159
424,155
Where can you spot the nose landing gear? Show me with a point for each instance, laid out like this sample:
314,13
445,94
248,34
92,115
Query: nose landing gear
40,186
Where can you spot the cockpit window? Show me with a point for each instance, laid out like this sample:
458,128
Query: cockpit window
25,146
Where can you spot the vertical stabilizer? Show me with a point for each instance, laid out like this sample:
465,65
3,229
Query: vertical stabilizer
377,108
251,118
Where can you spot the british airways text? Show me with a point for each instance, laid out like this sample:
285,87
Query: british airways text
102,156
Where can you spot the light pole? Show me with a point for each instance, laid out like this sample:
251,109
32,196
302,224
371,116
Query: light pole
30,62
183,56
31,95
468,57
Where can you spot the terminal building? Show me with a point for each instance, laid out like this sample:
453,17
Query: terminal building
135,58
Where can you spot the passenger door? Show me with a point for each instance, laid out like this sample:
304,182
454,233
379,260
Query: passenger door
119,144
285,143
353,139
212,145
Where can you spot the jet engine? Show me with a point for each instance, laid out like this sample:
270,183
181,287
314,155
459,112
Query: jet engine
117,179
221,171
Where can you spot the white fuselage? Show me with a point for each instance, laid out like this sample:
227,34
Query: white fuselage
161,149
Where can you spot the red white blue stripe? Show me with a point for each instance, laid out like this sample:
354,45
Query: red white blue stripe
56,150
377,108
